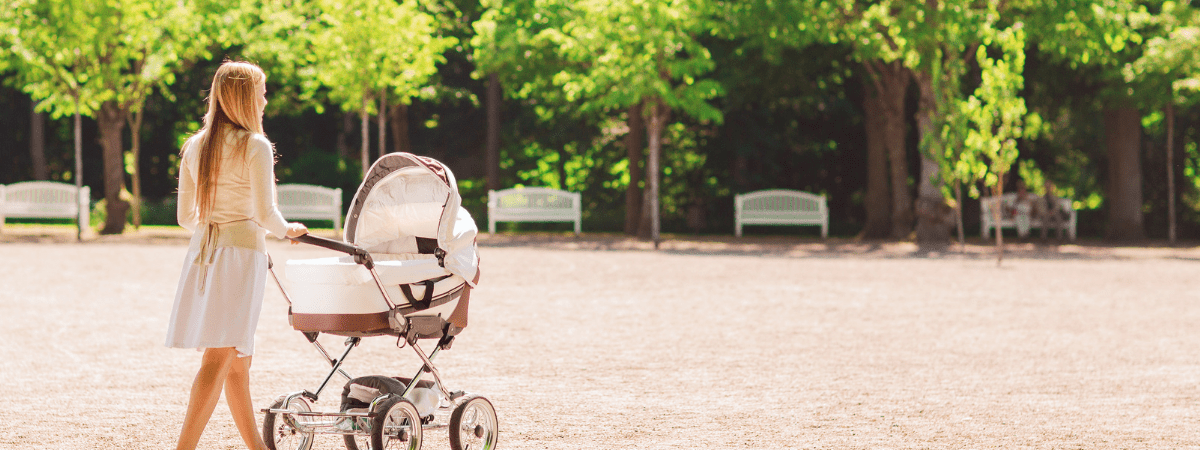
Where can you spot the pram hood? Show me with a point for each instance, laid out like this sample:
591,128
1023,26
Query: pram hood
408,206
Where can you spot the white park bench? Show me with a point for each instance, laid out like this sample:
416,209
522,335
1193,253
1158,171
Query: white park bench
45,200
1020,215
780,207
306,201
534,204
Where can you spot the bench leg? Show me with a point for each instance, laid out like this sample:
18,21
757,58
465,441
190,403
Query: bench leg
737,229
491,226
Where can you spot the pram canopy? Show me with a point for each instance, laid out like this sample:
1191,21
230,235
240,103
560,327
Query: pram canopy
408,204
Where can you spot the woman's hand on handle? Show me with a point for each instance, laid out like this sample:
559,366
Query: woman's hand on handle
296,229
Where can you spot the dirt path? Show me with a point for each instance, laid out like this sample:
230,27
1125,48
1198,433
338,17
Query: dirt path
599,343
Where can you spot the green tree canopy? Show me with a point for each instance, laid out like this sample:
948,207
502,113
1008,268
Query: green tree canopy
101,58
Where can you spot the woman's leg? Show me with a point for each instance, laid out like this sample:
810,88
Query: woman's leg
237,395
206,391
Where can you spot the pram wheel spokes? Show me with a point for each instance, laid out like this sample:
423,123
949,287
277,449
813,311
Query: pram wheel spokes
284,430
473,425
398,427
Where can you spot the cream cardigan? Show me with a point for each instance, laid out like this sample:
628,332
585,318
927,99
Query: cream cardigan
245,188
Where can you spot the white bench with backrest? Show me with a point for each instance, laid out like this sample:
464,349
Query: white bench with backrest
534,204
780,207
306,201
45,200
1020,215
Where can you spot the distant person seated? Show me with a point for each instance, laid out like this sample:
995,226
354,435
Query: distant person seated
1049,210
1020,210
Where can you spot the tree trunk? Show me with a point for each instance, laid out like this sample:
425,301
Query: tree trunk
997,192
343,144
1123,127
893,85
1171,171
135,178
399,118
111,120
81,221
877,201
635,152
958,216
934,216
364,151
492,150
381,122
37,143
656,123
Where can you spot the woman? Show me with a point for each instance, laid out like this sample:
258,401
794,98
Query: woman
227,200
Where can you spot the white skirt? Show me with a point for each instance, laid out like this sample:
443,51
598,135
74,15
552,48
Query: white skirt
225,312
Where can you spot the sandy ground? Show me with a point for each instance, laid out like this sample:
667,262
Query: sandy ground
599,342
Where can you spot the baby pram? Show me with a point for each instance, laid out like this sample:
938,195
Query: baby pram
409,268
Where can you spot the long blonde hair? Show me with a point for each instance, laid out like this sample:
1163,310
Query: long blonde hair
231,107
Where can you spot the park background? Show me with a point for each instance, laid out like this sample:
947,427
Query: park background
604,340
897,111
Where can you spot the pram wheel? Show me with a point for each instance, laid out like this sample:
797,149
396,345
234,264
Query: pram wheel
282,431
398,428
358,441
473,425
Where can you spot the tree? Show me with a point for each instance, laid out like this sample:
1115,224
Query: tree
356,53
634,153
890,81
929,39
1103,37
951,30
995,116
102,58
365,48
1167,70
774,29
57,74
884,36
614,55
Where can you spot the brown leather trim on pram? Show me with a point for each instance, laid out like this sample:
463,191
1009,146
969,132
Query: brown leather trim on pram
459,316
373,323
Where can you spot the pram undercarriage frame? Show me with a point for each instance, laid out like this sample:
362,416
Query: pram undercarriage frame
391,421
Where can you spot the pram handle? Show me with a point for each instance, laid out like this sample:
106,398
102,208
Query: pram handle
360,255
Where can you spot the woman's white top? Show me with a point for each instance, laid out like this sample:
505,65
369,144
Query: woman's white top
220,290
245,185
